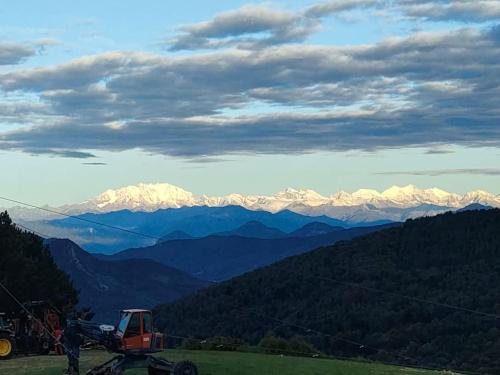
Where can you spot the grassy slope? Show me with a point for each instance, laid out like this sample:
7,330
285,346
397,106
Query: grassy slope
216,363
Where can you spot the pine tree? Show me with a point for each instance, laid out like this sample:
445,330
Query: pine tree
28,270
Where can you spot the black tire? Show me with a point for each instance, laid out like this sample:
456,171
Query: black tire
185,368
7,345
155,371
44,348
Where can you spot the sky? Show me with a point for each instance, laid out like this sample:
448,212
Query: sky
248,97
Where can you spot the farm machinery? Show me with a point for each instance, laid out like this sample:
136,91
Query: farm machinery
133,340
29,331
34,330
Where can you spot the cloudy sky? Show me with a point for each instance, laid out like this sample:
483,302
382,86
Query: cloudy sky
231,96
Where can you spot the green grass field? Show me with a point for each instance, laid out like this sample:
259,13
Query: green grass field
217,363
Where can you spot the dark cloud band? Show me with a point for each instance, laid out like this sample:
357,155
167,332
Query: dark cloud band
11,53
443,172
427,89
254,26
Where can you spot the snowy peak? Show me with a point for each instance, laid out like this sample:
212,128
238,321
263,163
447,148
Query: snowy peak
410,195
300,195
366,194
141,195
398,192
481,196
150,197
396,203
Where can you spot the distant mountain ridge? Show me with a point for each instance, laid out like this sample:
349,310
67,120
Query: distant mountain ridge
475,207
151,197
196,221
350,299
254,229
109,286
176,235
314,229
217,258
159,209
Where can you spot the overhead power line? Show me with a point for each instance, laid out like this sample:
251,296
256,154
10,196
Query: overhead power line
81,219
416,299
340,338
374,290
335,337
23,307
32,230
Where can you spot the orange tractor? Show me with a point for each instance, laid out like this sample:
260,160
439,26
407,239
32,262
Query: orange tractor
134,340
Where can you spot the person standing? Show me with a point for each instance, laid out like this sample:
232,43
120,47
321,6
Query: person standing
58,347
72,340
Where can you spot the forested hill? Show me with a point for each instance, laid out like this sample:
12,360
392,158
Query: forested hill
450,259
108,287
28,270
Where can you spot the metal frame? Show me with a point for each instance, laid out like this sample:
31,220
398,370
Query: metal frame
117,365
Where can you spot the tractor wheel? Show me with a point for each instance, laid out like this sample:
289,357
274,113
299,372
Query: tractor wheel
185,368
44,348
6,346
155,371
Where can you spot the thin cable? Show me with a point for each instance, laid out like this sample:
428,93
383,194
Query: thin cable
458,308
416,299
35,318
235,346
334,337
337,338
39,234
81,219
315,354
310,330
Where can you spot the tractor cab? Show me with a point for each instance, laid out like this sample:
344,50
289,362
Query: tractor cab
135,332
133,339
3,321
6,338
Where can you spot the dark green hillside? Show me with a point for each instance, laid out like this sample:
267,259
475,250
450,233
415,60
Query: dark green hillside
451,259
28,270
108,287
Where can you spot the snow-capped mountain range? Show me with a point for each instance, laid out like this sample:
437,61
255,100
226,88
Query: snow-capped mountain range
395,203
150,197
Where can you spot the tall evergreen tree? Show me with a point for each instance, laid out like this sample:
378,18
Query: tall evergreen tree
28,270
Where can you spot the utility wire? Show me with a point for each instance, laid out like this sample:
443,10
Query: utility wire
14,298
336,338
81,218
416,299
32,230
315,354
236,346
306,329
341,338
